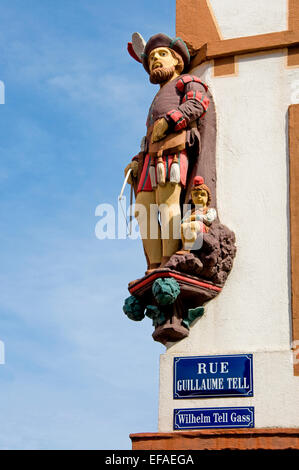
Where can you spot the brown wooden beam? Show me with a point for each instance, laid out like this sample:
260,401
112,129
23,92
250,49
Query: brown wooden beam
224,66
246,45
293,15
195,23
293,53
294,218
293,56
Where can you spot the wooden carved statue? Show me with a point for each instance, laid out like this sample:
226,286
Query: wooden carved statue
175,169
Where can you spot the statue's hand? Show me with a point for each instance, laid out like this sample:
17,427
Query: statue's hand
134,166
160,129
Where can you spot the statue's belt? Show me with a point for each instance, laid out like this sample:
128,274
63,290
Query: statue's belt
171,144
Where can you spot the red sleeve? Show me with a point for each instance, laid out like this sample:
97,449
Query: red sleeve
177,119
194,104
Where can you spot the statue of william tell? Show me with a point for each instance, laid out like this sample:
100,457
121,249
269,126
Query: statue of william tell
163,172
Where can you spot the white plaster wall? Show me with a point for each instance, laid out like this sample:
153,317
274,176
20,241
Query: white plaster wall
252,314
237,18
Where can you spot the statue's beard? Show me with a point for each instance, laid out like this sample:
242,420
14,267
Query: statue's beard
162,74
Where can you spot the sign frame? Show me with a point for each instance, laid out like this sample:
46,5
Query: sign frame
250,425
207,394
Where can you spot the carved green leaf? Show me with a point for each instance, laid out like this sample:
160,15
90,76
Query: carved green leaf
166,290
193,314
133,309
153,312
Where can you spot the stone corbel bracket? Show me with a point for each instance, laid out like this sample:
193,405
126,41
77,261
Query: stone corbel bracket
172,300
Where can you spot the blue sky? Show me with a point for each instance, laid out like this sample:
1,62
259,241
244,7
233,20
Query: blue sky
78,373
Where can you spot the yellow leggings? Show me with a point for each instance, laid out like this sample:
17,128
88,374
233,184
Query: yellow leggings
159,239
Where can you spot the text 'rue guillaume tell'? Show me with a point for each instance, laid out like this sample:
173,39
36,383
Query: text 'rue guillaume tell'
221,382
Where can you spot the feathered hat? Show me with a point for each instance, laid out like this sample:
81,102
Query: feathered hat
139,49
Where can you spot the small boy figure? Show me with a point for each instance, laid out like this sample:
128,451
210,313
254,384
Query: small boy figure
199,218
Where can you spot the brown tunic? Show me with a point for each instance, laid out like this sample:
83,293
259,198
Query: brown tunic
186,103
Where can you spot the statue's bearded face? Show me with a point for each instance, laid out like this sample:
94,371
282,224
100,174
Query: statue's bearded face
162,65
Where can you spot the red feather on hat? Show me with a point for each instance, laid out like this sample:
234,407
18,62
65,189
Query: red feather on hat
132,52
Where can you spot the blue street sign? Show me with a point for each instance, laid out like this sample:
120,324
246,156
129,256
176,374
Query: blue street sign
211,418
213,376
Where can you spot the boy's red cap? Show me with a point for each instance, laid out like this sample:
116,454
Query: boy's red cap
198,180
